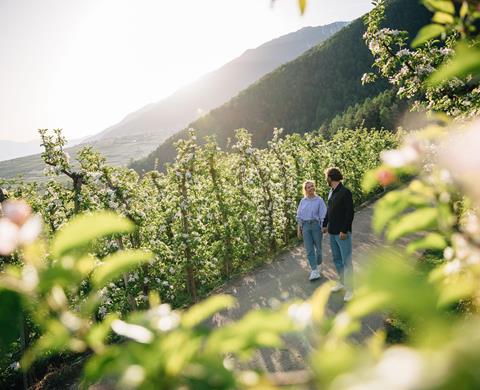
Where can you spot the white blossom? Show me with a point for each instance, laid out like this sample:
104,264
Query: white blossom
400,157
301,313
452,267
8,236
134,332
30,230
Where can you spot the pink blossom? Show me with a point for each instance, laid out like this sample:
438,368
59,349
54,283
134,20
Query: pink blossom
8,236
17,227
17,211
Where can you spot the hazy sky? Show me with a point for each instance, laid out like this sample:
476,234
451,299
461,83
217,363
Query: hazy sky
82,65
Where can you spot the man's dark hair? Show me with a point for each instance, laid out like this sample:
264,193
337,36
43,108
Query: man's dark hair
334,174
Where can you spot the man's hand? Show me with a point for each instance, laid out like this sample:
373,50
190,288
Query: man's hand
299,232
343,236
324,230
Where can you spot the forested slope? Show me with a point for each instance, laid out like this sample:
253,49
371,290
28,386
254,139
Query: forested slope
301,95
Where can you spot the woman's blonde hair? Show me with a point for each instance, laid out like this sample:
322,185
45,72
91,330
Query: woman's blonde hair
304,185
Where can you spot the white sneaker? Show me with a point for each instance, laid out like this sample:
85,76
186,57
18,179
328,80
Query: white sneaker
314,275
348,296
338,286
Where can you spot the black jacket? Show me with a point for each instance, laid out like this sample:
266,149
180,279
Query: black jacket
339,216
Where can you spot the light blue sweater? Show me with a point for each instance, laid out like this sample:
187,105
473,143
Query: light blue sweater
311,209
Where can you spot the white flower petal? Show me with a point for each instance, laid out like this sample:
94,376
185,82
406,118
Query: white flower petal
134,332
8,236
301,314
30,230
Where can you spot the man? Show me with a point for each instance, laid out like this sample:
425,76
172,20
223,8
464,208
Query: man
338,223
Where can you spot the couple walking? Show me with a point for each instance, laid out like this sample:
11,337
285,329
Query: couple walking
315,218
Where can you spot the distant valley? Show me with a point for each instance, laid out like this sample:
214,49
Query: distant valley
118,151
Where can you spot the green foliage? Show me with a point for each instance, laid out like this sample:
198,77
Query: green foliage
427,33
204,310
84,228
10,313
211,215
418,74
384,111
164,348
463,64
116,264
161,348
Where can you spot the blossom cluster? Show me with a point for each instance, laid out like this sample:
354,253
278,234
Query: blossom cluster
18,226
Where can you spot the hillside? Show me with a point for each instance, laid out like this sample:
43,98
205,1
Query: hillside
118,151
173,113
141,131
304,94
386,110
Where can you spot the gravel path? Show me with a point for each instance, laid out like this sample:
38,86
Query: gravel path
287,278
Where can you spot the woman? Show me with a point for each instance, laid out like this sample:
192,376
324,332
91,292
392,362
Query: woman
310,214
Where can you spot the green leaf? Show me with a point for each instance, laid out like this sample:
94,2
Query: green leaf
366,304
426,33
319,301
56,337
464,10
114,359
203,310
118,263
442,18
82,229
58,275
418,220
302,4
466,61
370,181
10,316
393,204
99,332
249,333
430,241
459,287
388,207
394,274
440,5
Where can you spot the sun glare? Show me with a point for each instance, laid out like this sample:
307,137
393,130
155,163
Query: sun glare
119,55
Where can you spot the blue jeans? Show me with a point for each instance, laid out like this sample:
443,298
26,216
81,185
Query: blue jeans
342,258
312,240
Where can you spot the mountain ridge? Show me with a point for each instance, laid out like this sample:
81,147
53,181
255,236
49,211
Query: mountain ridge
181,107
120,148
303,94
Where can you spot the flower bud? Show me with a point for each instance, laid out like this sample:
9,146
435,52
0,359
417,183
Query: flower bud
385,177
